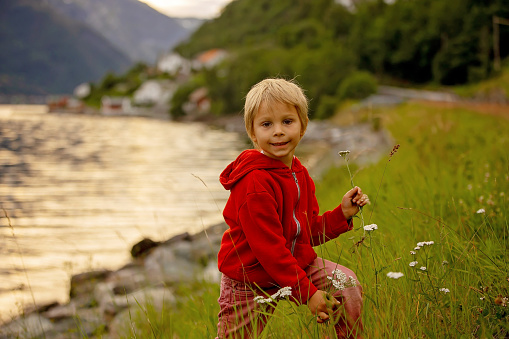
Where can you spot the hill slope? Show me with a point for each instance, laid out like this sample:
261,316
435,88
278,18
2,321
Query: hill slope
44,53
132,26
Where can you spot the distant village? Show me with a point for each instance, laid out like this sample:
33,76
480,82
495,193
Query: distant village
154,95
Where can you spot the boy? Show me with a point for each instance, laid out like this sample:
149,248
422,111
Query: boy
273,220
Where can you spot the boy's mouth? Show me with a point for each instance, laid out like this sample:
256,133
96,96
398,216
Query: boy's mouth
279,143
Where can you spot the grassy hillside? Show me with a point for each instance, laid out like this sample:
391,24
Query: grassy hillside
447,183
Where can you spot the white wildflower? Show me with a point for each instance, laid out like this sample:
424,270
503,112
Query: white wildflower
344,153
423,268
413,263
341,281
417,248
469,187
395,275
424,243
445,262
482,298
412,252
371,227
480,211
280,294
445,290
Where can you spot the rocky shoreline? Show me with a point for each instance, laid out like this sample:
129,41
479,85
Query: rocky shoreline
101,301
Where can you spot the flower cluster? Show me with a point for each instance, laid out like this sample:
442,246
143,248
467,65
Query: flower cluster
370,228
422,244
341,281
395,275
444,290
280,294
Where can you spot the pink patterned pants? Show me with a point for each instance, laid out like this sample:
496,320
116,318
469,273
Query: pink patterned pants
238,316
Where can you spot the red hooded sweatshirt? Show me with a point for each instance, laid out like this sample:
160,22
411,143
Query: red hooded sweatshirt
273,220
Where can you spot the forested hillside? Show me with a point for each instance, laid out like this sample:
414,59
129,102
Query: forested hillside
325,45
42,52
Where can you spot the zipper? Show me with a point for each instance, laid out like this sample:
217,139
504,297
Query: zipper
294,216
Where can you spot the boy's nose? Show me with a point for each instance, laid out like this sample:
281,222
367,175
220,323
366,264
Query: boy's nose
278,130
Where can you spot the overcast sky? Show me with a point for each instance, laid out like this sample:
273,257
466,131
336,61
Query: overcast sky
205,9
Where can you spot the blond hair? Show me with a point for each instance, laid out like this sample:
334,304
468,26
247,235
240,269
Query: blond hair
270,91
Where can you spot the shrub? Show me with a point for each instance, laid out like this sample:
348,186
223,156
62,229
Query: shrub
358,85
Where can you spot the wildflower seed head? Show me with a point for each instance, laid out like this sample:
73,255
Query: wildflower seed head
394,150
344,153
395,275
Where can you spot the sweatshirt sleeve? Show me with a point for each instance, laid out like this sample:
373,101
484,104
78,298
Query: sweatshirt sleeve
264,233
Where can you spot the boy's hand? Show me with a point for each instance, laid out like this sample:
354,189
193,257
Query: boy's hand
352,200
321,305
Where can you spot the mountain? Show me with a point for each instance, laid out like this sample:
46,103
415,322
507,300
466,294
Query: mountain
44,52
132,26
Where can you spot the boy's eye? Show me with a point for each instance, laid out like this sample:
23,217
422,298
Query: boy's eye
287,121
266,124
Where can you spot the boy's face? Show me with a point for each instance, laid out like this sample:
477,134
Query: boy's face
277,131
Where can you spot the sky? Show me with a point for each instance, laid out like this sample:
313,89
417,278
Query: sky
205,9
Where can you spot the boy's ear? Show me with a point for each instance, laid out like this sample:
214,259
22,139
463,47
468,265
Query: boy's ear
303,130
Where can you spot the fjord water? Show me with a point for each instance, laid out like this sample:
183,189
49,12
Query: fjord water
80,190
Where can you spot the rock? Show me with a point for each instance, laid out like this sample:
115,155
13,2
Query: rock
40,308
61,311
128,279
84,283
178,238
163,266
111,304
211,273
143,247
31,326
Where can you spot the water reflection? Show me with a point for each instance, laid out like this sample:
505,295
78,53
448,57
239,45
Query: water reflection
81,190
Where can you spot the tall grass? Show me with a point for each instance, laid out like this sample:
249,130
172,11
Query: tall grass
452,165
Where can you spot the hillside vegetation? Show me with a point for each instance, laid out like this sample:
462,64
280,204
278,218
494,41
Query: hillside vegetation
323,44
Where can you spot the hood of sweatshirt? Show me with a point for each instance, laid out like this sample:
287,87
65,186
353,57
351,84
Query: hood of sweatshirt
250,160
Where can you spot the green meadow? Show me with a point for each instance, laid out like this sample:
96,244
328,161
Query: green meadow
447,183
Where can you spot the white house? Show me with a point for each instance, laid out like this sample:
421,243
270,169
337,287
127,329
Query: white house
154,92
173,63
